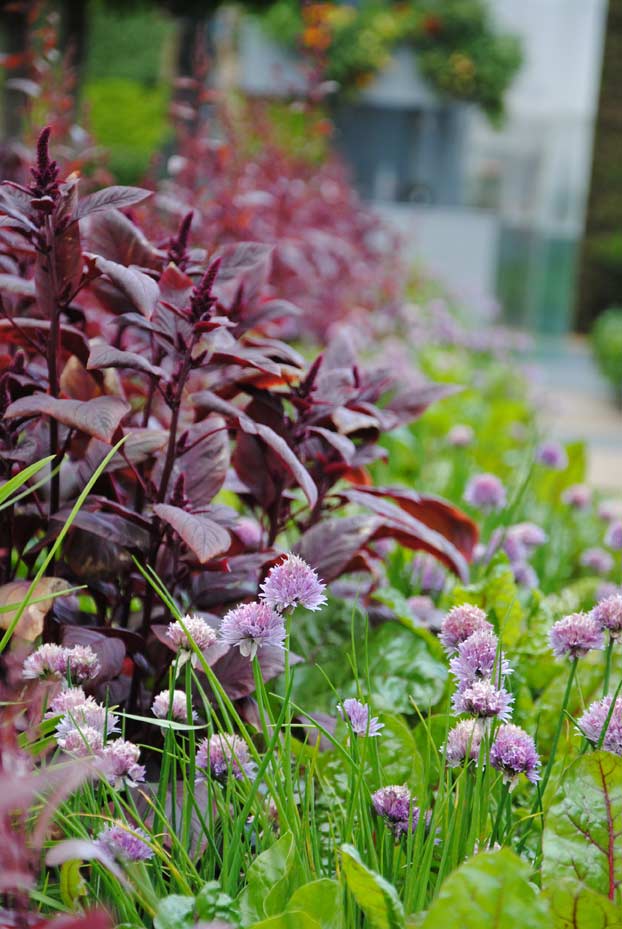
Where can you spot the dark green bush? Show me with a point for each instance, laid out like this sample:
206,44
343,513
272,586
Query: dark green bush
607,347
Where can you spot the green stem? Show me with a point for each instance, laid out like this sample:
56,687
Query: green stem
608,662
549,767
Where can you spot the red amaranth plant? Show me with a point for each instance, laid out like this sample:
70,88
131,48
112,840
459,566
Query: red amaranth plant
107,335
333,257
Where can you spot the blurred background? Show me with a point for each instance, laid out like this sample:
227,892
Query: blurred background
486,133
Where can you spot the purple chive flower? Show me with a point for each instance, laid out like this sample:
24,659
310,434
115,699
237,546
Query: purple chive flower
463,742
47,661
461,622
128,844
460,436
514,752
90,715
177,709
552,455
82,663
252,626
358,716
575,636
223,755
293,583
67,700
198,630
528,534
81,742
596,559
396,806
478,657
484,700
392,803
593,722
610,510
423,609
485,492
608,615
120,763
511,545
578,496
525,575
55,662
613,538
607,589
428,574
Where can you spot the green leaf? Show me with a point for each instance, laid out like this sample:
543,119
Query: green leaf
175,912
583,829
292,919
404,663
322,900
213,903
497,593
574,906
375,897
490,891
9,487
268,881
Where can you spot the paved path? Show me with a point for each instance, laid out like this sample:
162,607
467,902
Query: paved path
578,406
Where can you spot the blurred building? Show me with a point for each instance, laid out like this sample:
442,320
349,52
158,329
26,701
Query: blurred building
495,212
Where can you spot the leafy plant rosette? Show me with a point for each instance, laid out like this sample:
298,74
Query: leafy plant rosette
458,49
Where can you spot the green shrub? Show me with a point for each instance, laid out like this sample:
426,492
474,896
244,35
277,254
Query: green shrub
129,119
607,347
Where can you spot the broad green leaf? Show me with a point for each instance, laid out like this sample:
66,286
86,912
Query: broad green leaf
175,912
292,919
583,829
375,897
403,663
268,881
213,903
574,906
490,891
321,900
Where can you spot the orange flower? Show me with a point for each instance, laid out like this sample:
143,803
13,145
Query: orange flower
316,38
432,25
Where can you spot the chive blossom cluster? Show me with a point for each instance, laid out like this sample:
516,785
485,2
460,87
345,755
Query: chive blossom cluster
84,731
397,807
251,626
480,669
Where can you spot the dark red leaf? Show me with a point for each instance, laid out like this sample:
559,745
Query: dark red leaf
100,417
438,514
330,546
114,236
285,455
140,289
111,198
108,526
19,286
202,535
205,463
410,403
18,330
410,531
106,356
